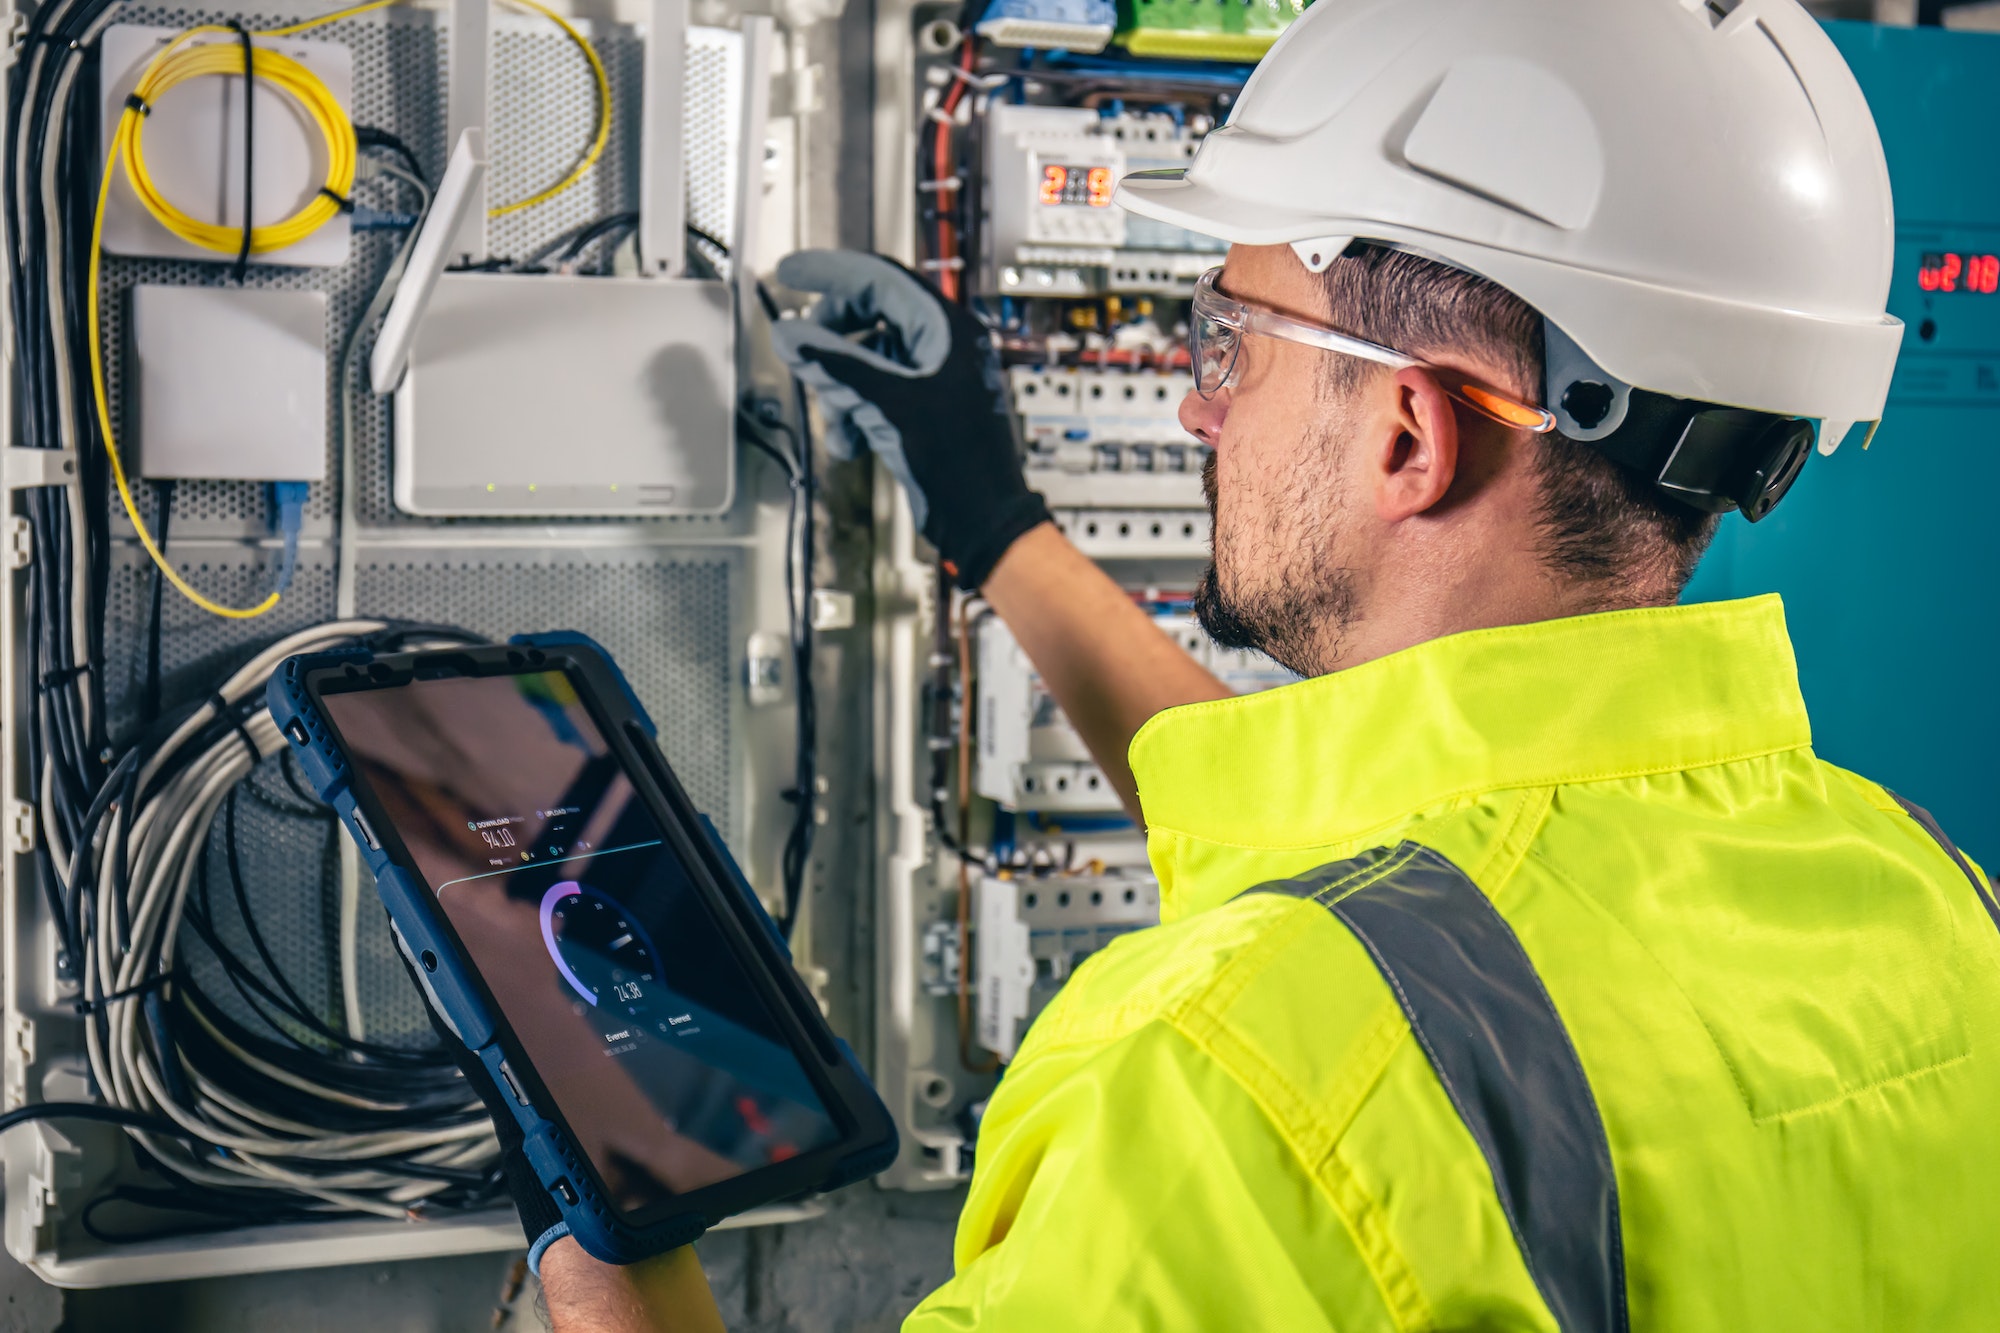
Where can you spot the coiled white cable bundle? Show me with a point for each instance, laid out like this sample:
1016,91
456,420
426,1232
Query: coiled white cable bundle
316,1119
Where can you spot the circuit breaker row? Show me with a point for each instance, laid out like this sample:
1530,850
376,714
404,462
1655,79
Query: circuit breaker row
1031,759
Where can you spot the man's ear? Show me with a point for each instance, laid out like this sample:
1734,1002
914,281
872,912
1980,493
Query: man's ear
1416,458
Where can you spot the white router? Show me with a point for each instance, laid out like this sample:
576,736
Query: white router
555,395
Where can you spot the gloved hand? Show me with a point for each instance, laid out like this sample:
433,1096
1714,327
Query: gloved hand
901,371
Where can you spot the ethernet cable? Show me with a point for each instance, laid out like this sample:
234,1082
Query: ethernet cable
349,557
288,498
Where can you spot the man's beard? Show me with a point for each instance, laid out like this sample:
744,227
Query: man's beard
1288,618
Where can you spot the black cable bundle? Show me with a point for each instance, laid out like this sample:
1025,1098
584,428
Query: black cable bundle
799,548
51,155
798,597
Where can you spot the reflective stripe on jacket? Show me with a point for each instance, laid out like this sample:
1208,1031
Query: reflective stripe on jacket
1779,994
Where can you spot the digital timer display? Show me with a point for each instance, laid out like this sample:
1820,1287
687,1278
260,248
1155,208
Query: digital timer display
1959,273
1076,186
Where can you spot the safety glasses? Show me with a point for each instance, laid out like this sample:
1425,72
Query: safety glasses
1215,342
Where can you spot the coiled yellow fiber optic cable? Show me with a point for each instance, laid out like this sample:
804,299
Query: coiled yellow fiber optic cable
179,63
176,64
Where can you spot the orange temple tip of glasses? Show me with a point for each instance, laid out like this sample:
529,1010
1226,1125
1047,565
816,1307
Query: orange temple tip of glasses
1505,410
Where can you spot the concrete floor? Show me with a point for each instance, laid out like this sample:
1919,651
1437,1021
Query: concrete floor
859,1269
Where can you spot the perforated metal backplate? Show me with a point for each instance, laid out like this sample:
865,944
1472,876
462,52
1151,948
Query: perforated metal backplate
197,650
713,100
544,109
665,618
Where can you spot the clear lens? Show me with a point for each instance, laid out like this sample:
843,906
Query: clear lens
1212,346
1212,340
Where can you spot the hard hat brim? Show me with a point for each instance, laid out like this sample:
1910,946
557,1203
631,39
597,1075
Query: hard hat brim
1168,196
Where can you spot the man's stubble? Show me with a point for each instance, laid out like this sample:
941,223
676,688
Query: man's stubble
1282,590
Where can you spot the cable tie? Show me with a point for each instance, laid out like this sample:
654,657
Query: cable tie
151,983
249,148
66,676
952,182
345,205
984,83
954,264
134,102
221,706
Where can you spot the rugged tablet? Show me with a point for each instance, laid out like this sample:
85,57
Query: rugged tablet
584,931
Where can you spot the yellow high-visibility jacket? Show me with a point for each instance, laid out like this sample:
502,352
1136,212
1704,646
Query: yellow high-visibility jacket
1574,992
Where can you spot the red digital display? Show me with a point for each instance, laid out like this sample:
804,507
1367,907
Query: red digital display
1089,187
1959,273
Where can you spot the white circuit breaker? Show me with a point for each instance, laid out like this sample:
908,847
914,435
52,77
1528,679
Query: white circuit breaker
1106,449
1033,932
1030,757
1108,438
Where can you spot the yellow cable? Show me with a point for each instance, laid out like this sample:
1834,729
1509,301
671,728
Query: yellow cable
596,149
176,65
335,17
171,574
603,81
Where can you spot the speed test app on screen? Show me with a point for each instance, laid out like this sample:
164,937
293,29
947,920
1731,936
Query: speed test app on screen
623,992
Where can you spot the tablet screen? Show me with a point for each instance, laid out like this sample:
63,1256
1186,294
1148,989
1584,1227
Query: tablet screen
603,957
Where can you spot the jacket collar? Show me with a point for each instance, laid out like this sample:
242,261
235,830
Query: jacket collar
1621,694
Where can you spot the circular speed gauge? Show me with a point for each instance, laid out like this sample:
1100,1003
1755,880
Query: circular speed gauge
606,959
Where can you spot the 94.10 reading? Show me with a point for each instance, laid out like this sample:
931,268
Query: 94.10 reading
498,837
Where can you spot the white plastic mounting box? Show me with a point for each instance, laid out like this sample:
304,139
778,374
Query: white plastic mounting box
545,395
232,382
193,142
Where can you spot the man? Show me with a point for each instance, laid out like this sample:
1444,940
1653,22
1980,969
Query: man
1523,967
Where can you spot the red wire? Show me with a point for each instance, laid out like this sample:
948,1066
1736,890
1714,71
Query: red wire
946,248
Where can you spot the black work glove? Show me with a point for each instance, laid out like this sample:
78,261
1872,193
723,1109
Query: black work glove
922,388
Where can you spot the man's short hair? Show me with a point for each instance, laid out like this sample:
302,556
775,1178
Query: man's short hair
1602,525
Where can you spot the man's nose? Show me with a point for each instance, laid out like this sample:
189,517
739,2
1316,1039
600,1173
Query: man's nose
1202,417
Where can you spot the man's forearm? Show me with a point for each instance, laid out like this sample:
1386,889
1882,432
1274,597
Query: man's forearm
1102,657
665,1294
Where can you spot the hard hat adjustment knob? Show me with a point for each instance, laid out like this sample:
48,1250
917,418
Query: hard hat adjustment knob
1588,402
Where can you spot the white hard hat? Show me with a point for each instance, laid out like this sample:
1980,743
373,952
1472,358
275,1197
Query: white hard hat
1691,192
